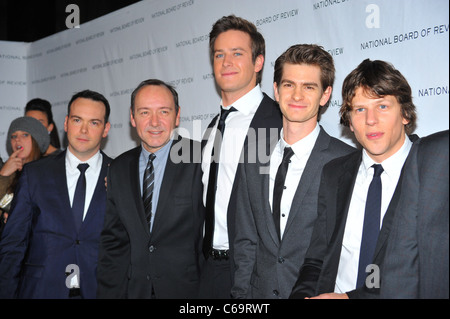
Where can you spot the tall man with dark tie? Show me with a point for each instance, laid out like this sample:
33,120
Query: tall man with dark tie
237,52
276,209
150,245
50,244
358,194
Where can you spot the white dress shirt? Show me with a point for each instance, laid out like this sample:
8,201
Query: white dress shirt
92,174
236,128
349,259
302,150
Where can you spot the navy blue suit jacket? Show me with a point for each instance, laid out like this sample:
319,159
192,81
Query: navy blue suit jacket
40,239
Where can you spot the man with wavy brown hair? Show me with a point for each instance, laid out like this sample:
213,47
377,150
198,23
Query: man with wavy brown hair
344,246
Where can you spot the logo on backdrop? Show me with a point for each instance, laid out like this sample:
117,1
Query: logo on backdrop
373,19
73,19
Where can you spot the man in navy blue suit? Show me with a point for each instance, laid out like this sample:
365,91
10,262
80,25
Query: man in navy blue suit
47,250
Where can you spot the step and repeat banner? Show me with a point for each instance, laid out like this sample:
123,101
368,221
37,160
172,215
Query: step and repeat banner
168,40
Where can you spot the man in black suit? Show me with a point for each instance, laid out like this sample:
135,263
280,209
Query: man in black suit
416,262
377,106
237,52
150,245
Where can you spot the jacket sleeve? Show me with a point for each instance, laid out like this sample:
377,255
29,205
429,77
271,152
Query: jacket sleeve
308,277
114,251
245,240
15,238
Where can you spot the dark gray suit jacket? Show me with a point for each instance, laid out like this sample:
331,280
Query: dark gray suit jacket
134,263
318,272
266,267
416,262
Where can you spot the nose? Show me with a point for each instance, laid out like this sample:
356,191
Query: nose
154,120
84,127
227,60
371,117
297,93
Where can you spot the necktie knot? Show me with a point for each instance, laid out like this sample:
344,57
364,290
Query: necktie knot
287,154
224,113
83,167
378,170
151,157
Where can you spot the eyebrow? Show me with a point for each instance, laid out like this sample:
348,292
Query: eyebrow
304,84
232,49
79,117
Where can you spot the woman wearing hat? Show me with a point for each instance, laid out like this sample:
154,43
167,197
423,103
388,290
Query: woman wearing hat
28,140
42,110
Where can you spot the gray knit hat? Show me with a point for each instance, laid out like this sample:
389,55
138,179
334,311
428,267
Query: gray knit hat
30,125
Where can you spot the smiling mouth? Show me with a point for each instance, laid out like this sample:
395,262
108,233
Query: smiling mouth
296,106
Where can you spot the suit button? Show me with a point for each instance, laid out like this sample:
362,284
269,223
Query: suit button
276,293
151,248
77,242
281,260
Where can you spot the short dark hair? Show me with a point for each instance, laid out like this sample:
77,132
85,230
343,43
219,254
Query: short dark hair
310,54
44,106
232,22
94,96
378,78
155,82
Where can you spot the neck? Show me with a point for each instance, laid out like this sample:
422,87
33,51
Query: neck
294,131
229,97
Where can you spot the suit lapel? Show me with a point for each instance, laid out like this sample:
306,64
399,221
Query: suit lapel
61,190
345,185
168,180
135,185
263,177
310,173
98,201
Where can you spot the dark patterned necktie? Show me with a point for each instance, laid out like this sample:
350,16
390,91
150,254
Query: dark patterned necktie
147,188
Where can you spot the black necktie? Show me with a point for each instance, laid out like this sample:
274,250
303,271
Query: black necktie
212,181
371,226
80,196
278,187
147,188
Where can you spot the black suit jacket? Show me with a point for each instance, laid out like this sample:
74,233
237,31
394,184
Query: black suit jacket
318,272
268,116
134,263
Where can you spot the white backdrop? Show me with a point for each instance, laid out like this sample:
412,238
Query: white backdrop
168,39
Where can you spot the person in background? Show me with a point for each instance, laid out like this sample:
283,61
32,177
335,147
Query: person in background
42,110
237,52
28,141
49,247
